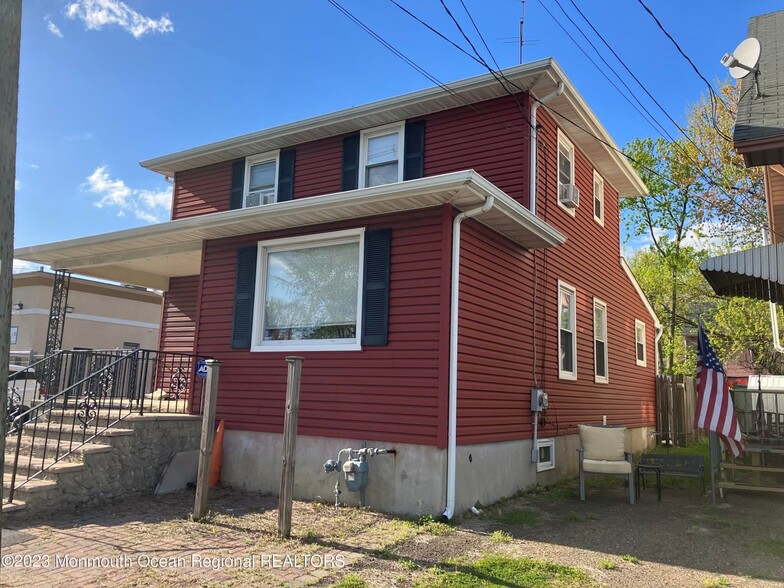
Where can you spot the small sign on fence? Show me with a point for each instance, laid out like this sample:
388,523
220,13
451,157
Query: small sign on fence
201,369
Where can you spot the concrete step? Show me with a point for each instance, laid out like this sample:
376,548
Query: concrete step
52,467
68,432
42,448
13,506
34,485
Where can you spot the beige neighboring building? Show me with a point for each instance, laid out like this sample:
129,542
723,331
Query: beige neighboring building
101,316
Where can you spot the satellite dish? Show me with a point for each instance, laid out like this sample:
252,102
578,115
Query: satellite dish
744,59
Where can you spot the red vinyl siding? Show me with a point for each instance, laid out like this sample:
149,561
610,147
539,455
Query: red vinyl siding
202,190
388,393
496,360
179,315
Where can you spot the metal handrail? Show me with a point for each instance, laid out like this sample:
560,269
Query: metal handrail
123,376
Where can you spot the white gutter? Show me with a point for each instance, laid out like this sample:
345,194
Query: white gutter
452,441
532,165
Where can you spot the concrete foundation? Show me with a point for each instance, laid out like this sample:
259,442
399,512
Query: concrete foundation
412,482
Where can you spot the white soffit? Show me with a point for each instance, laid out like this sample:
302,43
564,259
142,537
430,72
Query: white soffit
149,256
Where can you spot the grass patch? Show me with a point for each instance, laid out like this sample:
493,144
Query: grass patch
607,564
630,559
719,582
409,564
560,492
771,545
427,524
516,516
351,581
500,537
699,448
505,571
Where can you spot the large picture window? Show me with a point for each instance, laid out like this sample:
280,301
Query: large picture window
310,293
567,341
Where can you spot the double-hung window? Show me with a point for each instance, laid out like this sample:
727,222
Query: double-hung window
310,293
381,151
598,198
567,331
639,343
261,179
600,341
565,167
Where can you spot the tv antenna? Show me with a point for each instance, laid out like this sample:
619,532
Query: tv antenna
744,60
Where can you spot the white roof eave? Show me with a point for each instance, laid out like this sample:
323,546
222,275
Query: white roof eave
150,255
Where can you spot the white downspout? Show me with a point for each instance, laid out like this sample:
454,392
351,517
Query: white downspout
774,317
451,459
532,165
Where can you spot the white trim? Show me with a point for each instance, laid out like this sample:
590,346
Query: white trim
596,377
564,140
367,134
89,317
644,361
260,158
542,466
259,304
596,177
563,374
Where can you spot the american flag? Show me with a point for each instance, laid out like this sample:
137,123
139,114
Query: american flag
715,411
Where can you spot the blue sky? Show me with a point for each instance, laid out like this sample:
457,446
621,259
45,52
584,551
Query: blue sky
105,84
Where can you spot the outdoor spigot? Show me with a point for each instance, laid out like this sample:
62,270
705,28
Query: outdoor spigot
331,466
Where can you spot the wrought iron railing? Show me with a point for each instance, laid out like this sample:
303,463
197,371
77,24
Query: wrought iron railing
81,394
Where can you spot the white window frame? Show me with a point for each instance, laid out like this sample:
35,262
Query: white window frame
367,134
637,325
253,160
599,197
562,374
563,140
305,242
542,466
596,377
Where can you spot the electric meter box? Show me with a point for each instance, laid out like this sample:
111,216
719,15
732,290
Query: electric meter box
356,474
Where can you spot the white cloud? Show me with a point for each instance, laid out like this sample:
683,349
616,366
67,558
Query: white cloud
99,13
17,185
152,206
53,28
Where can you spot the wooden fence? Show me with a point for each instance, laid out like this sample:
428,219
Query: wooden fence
676,400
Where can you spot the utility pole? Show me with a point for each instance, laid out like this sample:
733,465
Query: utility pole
10,38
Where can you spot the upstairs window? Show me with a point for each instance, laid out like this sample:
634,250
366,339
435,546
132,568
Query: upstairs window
380,156
567,340
639,340
565,168
261,179
600,341
598,198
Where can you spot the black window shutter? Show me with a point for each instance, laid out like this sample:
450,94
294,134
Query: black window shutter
414,161
350,163
237,184
375,305
243,297
286,174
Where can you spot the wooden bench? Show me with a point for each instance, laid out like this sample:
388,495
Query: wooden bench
681,466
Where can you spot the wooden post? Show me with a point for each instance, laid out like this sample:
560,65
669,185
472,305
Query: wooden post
207,435
289,446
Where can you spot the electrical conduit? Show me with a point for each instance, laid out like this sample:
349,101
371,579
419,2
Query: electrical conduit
455,295
532,165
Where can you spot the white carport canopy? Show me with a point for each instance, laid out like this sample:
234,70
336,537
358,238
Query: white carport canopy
148,256
754,273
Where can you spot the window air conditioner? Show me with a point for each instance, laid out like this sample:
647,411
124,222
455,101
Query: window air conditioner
569,195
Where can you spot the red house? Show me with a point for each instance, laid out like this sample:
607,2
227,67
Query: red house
434,257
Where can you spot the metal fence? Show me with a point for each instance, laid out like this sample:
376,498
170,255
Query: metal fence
74,396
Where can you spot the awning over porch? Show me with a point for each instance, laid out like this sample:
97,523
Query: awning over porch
148,256
754,273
